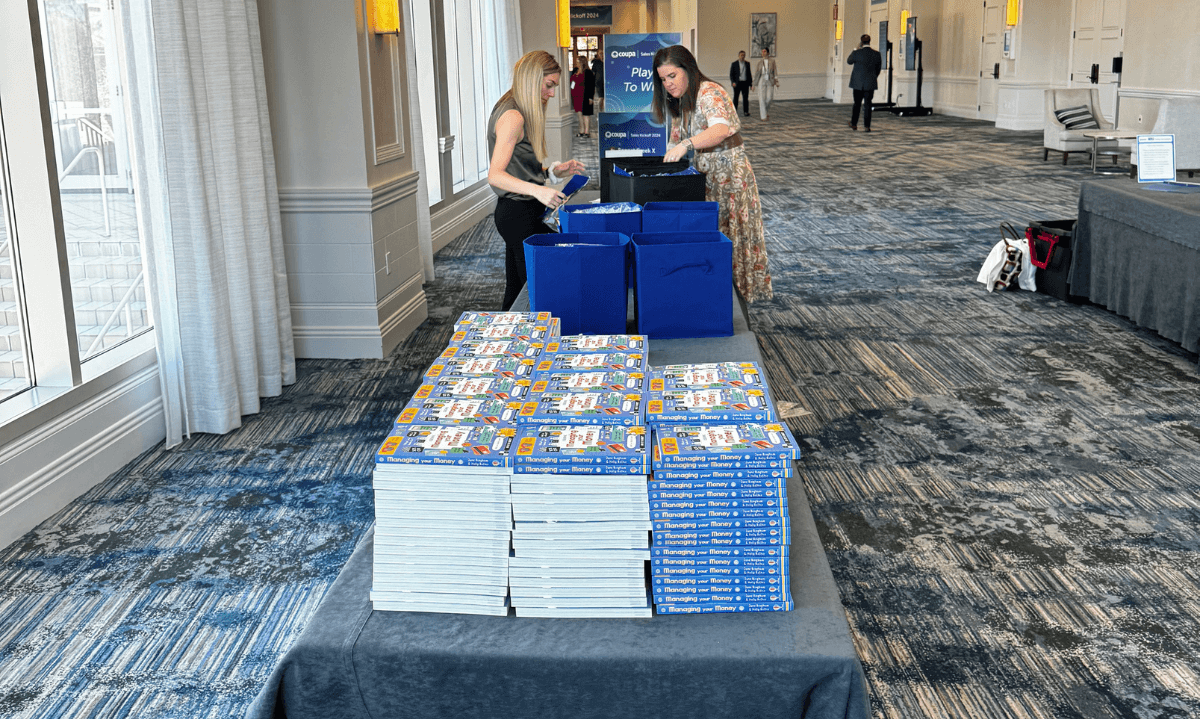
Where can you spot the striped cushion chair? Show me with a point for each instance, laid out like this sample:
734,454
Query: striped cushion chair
1079,107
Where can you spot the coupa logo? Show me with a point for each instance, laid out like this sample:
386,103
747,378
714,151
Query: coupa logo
618,53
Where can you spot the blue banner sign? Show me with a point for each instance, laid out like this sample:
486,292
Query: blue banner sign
628,68
591,16
631,131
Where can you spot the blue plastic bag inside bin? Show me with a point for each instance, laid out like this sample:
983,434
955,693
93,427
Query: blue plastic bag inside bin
684,284
600,217
579,277
681,217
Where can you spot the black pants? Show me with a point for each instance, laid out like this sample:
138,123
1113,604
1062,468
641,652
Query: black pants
743,89
860,97
516,220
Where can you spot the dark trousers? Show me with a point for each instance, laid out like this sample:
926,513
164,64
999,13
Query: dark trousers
743,89
516,220
862,97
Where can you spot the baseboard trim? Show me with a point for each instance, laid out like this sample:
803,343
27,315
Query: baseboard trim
1149,93
397,326
450,222
83,465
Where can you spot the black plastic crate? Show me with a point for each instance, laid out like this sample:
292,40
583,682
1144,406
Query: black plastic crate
1050,252
643,187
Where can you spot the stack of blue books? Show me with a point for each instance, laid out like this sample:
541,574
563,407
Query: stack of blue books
443,519
581,529
719,392
718,506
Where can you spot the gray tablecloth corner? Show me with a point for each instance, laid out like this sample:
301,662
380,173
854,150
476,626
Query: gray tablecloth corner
1137,252
353,663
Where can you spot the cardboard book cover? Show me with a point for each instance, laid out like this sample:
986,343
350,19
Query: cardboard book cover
475,319
506,389
722,404
438,444
448,410
609,408
597,381
724,442
555,444
496,348
542,332
575,344
593,361
506,366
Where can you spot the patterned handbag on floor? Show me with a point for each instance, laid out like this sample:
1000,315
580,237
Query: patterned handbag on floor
1002,268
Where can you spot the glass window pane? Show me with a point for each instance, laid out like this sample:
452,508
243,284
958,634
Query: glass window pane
82,41
14,373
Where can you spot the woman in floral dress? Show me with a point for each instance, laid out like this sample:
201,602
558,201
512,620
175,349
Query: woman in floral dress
704,119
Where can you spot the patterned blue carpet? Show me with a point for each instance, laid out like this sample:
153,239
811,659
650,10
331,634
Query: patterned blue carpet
1006,485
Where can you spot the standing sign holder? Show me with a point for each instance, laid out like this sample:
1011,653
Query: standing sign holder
1155,158
912,60
885,46
627,128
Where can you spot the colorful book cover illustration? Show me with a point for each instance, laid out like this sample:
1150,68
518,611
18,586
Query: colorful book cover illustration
721,404
724,442
449,410
501,387
599,343
505,366
569,444
710,375
582,408
474,319
439,444
496,348
529,331
593,361
599,380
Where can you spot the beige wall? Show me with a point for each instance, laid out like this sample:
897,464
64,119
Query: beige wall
723,28
1162,56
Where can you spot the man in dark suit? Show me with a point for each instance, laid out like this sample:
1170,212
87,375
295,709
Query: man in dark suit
739,77
867,63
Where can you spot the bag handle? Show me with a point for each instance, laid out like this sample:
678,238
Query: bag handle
706,268
1052,239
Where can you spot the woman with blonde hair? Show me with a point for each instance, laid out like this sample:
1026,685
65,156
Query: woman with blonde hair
518,171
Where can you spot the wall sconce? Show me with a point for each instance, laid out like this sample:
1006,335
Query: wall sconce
903,21
386,20
837,31
1013,12
564,23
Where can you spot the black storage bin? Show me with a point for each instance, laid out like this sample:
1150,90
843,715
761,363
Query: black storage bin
1050,252
642,189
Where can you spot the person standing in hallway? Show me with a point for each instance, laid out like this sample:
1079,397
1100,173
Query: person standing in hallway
517,172
766,79
577,97
598,71
742,82
703,119
589,95
864,79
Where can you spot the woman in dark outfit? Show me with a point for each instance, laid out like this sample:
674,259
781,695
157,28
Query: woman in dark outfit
589,95
517,173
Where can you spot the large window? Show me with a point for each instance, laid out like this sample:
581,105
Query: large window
64,78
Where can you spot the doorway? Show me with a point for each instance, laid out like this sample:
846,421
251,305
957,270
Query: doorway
1098,37
991,52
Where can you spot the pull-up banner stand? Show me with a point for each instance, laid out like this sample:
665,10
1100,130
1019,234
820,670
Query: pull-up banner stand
912,61
626,126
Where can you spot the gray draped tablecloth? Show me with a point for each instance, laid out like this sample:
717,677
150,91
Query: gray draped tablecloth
1137,252
355,663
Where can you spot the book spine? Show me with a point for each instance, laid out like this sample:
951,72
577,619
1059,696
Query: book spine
712,524
659,570
709,494
692,595
694,515
578,469
745,477
748,583
723,607
703,505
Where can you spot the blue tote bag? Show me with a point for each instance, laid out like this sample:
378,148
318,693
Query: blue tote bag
684,284
580,279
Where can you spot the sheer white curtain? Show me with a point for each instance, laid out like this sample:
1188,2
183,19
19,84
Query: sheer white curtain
218,285
416,137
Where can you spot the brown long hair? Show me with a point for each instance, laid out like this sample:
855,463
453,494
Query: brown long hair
526,94
682,107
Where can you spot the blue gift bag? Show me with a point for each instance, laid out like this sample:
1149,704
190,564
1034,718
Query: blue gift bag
681,217
601,218
580,279
684,282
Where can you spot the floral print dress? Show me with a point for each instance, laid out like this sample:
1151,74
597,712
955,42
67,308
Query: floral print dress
729,181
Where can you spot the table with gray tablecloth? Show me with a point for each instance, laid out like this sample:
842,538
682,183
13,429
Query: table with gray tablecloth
1137,252
353,663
